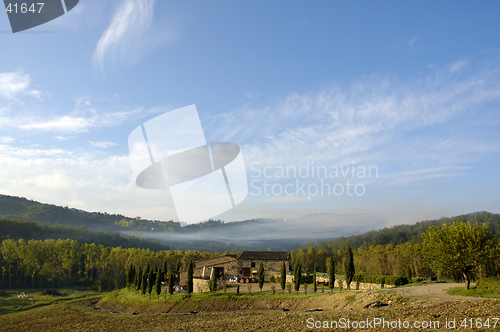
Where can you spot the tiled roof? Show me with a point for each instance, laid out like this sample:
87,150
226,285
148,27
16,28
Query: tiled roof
265,255
209,265
206,259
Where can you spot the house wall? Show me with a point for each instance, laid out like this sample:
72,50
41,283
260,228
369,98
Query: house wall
230,269
360,285
201,285
271,267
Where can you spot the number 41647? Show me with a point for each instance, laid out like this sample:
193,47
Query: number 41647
23,8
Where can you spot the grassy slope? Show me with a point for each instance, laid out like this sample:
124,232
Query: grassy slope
11,303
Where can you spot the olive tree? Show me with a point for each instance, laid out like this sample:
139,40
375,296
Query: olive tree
461,247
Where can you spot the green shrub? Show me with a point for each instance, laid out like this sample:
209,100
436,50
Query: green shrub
272,279
489,285
381,280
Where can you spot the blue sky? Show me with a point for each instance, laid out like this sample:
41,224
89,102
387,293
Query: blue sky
411,88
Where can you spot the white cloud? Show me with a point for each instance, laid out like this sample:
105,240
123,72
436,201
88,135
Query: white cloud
15,83
6,140
88,181
8,152
64,124
412,41
104,144
124,39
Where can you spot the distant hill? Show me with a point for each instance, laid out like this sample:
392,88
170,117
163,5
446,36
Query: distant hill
12,207
255,234
400,234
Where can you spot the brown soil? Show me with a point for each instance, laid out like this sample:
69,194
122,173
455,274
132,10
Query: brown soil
411,304
52,292
336,300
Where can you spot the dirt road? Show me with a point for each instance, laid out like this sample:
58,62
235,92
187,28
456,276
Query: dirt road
434,293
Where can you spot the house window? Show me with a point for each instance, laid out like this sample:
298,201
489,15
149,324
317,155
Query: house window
252,264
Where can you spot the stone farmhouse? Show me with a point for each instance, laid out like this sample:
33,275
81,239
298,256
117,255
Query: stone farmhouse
244,265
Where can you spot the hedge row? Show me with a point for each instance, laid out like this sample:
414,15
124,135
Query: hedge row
381,280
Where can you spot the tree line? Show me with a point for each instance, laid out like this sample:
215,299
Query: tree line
460,251
56,263
474,243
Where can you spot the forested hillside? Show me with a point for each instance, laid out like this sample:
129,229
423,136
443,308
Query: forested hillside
28,230
12,207
391,251
400,234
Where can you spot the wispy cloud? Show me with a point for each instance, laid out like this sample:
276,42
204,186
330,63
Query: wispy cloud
375,119
104,144
412,41
456,66
124,39
81,119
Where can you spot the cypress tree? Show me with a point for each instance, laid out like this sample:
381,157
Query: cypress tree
213,281
139,279
260,275
330,264
130,275
408,273
165,267
158,284
171,280
190,278
283,277
315,287
349,265
297,276
150,282
144,283
177,266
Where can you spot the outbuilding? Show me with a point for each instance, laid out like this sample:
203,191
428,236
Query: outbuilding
244,266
